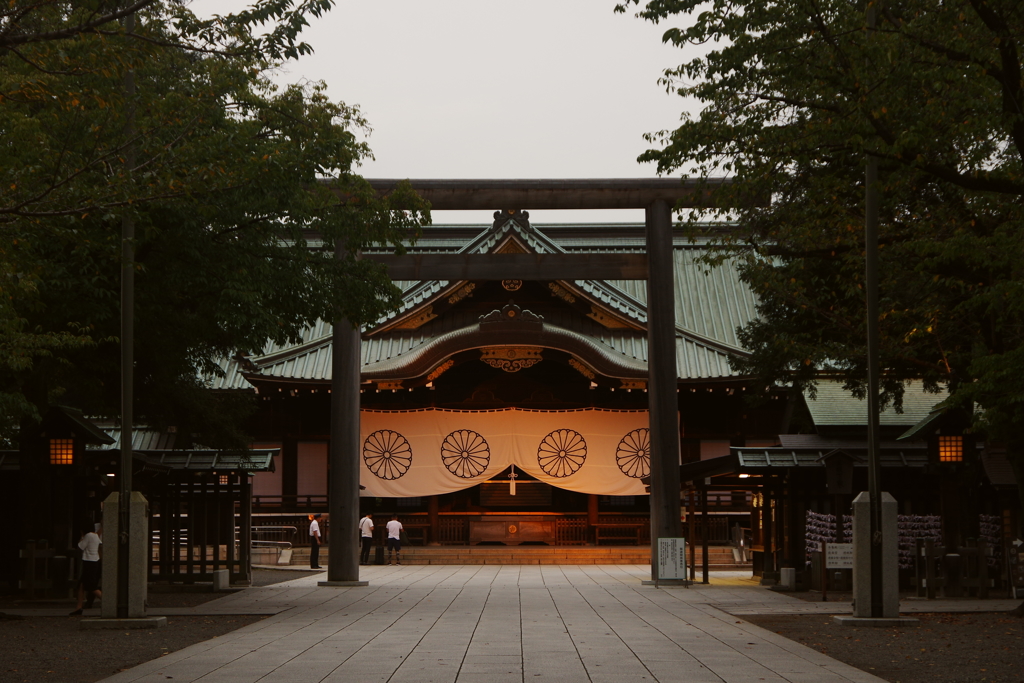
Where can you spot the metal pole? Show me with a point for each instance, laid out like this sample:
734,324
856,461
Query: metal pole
343,502
661,362
127,350
871,211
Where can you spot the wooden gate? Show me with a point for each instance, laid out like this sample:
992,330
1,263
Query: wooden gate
200,522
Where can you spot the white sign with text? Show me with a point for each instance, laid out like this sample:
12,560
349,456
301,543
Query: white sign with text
839,556
671,558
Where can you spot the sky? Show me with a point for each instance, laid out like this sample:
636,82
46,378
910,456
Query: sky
488,89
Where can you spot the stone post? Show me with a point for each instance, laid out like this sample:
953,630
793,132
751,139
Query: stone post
138,551
862,557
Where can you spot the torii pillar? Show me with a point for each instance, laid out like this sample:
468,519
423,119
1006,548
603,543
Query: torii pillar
661,386
343,490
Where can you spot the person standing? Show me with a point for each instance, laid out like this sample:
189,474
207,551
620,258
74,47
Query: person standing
89,585
314,542
394,539
366,537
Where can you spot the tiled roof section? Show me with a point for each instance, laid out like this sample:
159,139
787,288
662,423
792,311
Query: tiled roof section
616,297
700,361
156,449
816,441
85,429
161,460
709,307
834,407
313,362
232,378
413,294
304,354
206,460
488,240
710,303
998,468
768,459
142,439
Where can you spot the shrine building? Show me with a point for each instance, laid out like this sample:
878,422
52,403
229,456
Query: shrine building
510,411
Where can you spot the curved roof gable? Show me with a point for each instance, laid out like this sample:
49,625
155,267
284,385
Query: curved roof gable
710,305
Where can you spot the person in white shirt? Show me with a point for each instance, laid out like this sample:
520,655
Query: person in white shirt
395,539
366,537
314,542
89,585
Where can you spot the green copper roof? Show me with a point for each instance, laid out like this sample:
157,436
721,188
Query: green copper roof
835,406
710,305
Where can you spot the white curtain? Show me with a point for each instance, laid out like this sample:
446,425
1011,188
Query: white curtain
430,452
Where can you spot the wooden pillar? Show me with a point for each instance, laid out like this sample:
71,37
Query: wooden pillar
691,518
167,501
661,362
435,521
794,528
245,488
707,532
768,530
343,493
226,511
592,517
800,528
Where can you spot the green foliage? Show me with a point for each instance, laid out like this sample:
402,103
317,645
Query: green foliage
24,22
795,95
238,191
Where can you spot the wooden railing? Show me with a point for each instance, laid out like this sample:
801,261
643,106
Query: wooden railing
453,531
303,503
722,501
571,531
284,526
718,530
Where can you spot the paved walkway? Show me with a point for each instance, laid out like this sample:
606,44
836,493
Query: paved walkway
497,624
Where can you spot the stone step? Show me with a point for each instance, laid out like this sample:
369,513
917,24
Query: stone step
718,557
535,549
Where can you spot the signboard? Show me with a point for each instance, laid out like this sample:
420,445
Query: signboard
839,556
671,558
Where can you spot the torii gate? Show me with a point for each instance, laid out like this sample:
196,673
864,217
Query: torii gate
656,196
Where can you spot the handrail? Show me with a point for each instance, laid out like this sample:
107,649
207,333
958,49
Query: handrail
284,545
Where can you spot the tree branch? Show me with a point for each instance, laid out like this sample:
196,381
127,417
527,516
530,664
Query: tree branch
9,39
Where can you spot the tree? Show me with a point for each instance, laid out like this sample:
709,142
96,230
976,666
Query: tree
795,95
234,187
24,22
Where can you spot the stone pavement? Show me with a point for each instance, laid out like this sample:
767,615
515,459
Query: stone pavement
488,623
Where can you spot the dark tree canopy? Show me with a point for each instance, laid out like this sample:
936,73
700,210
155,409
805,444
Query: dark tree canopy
232,183
794,95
